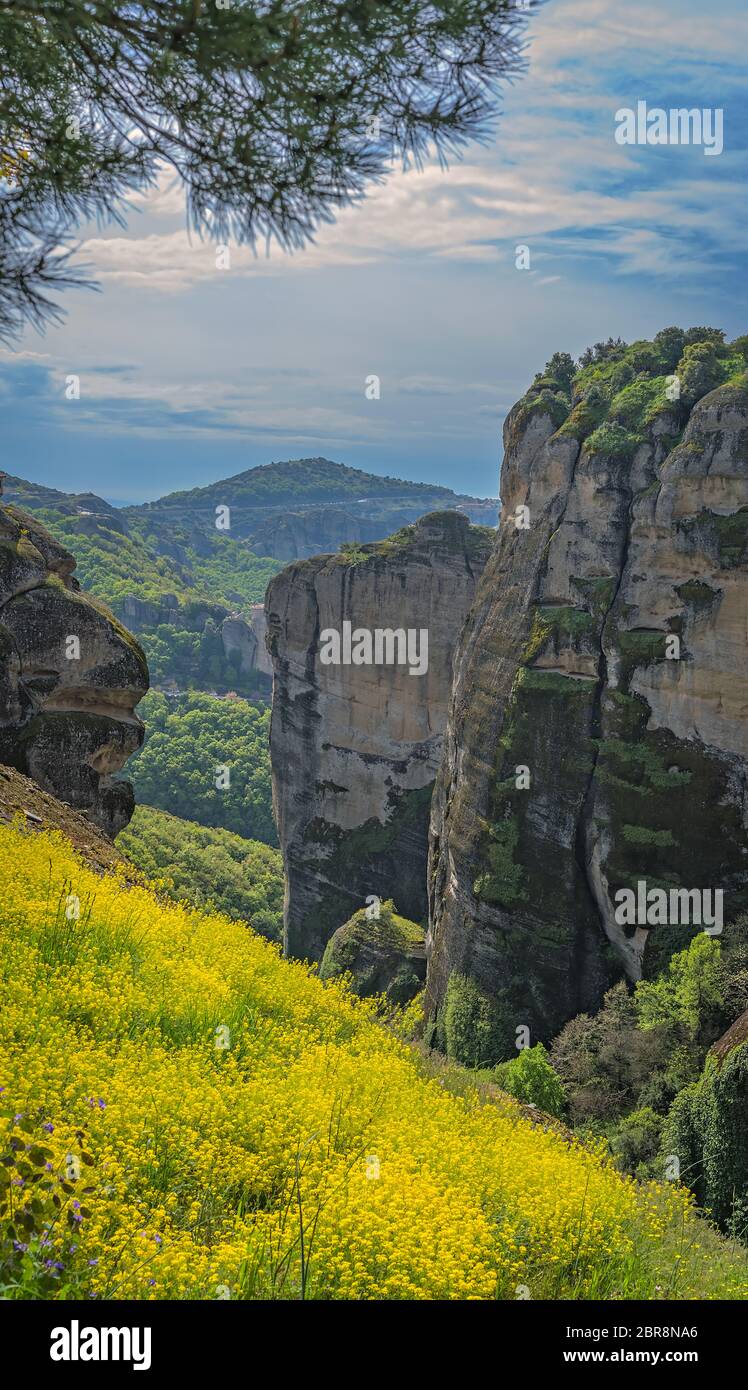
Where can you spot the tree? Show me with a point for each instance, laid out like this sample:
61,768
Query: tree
600,352
272,113
530,1077
563,369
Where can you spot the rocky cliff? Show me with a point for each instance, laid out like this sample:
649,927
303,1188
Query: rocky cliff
70,678
598,731
296,535
355,747
382,954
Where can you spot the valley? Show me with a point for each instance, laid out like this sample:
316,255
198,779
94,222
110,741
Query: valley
443,837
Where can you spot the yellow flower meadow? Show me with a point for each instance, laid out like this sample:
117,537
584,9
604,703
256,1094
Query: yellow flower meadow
186,1115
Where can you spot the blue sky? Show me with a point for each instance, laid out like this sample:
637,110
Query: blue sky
189,373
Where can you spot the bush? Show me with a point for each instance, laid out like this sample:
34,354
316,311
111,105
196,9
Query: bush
642,1048
600,352
700,370
562,369
597,1060
612,441
706,1129
472,1030
529,1077
636,1142
689,992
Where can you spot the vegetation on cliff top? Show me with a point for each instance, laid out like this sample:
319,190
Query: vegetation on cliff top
617,389
185,1114
455,533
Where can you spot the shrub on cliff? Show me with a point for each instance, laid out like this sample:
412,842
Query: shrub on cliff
636,1143
642,1048
473,1035
381,955
706,1130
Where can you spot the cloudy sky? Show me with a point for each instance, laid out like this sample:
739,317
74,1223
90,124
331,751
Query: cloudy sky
189,374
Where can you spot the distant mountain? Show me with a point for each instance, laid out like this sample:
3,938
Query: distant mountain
301,507
193,592
197,608
299,481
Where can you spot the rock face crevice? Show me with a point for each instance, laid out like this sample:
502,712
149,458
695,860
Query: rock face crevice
70,678
598,728
355,748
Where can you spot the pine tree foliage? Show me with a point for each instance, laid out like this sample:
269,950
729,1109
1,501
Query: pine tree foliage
272,113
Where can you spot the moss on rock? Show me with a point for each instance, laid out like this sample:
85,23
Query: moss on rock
381,951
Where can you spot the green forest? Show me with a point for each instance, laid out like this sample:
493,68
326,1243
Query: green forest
212,869
182,597
193,741
296,482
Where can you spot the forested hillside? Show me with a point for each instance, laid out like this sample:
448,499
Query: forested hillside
299,482
207,760
209,868
185,579
177,598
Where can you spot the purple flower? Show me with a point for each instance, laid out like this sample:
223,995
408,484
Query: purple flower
48,1167
76,1204
16,1118
102,1104
151,1281
159,1240
93,1262
18,1245
50,1129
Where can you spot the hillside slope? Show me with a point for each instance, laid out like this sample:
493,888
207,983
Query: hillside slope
194,608
208,1120
21,799
207,867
